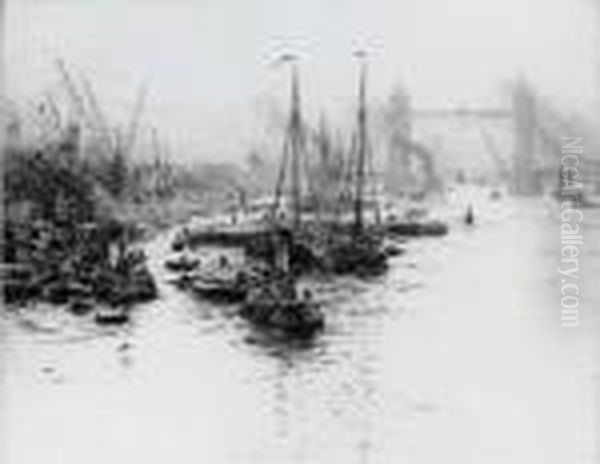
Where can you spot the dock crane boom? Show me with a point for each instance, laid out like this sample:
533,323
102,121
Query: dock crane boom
131,135
77,100
97,114
501,165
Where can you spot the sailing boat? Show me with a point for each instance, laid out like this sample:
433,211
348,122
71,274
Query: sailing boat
336,246
292,197
358,250
275,303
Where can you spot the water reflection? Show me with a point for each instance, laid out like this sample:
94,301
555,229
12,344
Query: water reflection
429,353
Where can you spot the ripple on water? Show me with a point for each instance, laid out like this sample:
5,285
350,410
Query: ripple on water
405,360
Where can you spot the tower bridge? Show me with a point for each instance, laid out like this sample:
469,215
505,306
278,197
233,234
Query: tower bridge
536,130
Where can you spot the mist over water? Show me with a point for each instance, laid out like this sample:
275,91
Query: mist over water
208,64
456,355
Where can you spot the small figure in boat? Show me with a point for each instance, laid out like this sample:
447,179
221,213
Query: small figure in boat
223,262
470,216
182,240
307,295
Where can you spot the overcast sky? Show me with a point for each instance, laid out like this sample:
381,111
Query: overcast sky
207,62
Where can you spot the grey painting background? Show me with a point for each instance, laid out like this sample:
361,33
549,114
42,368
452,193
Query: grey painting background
457,356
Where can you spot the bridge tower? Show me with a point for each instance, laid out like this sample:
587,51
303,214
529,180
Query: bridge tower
526,143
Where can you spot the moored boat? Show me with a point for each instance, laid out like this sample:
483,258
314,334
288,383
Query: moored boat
363,255
432,228
183,262
276,305
220,289
112,315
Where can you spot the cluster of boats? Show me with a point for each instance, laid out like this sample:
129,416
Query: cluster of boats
325,231
269,295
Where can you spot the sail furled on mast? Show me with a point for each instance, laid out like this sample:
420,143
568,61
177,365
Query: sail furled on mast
294,159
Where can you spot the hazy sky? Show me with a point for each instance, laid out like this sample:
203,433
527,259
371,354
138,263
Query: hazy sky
207,62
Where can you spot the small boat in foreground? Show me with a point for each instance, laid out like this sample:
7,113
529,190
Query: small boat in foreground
220,289
277,306
182,263
392,249
272,299
112,315
431,228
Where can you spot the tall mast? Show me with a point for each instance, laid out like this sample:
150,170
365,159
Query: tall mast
361,145
295,145
292,146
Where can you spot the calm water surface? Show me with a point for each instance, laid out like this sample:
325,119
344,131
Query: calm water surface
457,355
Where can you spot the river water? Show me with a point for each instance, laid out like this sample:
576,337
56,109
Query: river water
457,355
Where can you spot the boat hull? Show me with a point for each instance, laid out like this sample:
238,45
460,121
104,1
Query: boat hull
112,316
417,229
294,318
219,292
